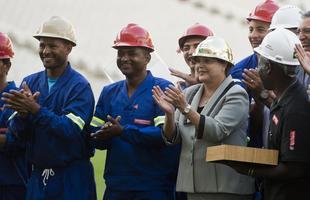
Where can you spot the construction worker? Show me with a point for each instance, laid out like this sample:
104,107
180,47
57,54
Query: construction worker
289,117
53,109
303,50
245,74
13,171
187,45
288,17
244,71
128,124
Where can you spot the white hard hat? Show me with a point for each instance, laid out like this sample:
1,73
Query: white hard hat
279,46
288,16
57,27
214,47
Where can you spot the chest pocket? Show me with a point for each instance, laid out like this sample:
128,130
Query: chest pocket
139,111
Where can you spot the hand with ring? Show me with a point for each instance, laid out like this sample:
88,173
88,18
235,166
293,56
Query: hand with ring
253,81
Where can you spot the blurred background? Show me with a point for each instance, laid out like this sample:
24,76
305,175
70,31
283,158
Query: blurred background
97,23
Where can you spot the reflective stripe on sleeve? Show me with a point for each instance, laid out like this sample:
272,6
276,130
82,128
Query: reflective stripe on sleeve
159,120
12,116
76,119
97,122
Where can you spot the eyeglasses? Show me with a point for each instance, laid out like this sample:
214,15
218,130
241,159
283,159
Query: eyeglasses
303,30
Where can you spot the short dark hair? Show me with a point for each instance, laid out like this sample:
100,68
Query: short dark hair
306,14
6,61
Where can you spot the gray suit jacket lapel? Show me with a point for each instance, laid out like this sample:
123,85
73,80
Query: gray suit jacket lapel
216,94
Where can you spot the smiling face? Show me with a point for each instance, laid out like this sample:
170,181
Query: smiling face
210,70
304,33
189,48
257,31
54,53
132,61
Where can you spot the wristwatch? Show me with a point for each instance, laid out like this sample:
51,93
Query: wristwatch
264,94
187,109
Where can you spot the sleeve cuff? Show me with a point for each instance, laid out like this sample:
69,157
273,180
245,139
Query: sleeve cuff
201,126
174,139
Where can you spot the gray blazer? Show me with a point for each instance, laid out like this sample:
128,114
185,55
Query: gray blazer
227,124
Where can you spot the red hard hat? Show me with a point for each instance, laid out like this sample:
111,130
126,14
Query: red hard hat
134,35
6,47
264,11
195,30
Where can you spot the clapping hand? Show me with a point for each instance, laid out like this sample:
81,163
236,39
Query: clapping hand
110,129
253,81
22,101
303,58
162,100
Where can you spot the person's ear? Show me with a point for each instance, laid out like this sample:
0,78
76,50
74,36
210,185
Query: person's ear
268,68
148,57
8,67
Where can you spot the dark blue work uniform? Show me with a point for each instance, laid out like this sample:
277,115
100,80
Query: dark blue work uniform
13,171
57,143
289,133
138,165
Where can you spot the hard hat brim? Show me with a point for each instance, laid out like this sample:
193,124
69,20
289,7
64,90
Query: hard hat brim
127,44
287,26
258,19
6,57
261,53
38,36
211,56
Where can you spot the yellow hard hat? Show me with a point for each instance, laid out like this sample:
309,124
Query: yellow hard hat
57,27
214,47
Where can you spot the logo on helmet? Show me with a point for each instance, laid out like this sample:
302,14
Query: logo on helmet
294,54
206,51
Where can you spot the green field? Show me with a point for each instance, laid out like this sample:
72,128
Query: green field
98,161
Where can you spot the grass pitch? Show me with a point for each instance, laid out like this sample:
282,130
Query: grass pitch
99,161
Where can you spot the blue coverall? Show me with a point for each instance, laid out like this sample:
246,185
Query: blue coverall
138,160
57,143
13,171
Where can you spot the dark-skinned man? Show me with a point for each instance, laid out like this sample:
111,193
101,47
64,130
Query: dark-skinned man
127,123
53,109
289,116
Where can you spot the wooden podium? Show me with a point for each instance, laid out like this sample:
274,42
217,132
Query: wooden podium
242,154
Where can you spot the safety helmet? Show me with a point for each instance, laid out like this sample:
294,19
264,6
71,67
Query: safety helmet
288,16
214,47
195,30
57,27
133,35
263,11
279,46
6,46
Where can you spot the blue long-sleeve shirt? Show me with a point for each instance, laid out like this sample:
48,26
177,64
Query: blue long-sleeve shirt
13,169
